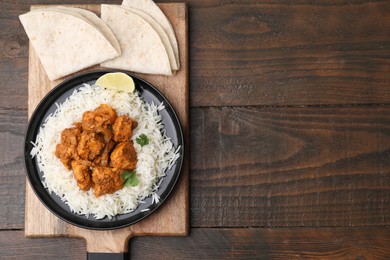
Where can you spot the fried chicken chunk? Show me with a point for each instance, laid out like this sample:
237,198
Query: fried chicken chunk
88,121
105,113
90,145
106,180
82,174
67,148
124,156
122,128
97,119
102,159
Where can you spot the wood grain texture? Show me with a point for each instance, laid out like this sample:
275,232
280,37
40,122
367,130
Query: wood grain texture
298,243
12,171
16,246
173,217
278,167
290,53
276,163
321,243
265,53
13,57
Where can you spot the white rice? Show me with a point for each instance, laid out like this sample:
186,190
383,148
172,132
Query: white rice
153,159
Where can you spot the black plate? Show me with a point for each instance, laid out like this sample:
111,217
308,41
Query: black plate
52,201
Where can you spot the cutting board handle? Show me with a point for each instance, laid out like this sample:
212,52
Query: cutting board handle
108,256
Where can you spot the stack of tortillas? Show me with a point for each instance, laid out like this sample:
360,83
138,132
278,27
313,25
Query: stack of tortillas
146,37
134,36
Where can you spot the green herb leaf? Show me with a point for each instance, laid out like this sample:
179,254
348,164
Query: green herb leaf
142,140
130,179
127,183
134,180
126,174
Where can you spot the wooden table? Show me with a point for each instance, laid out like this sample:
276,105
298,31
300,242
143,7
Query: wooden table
289,137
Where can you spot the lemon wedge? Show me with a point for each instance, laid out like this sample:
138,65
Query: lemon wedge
117,81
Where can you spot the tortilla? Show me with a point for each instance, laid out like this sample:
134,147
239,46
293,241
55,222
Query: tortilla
94,20
150,8
142,48
160,31
65,43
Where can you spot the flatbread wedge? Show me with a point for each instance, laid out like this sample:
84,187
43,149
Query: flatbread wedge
152,9
92,18
160,31
65,43
142,48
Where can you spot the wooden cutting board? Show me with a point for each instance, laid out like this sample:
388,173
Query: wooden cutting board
172,218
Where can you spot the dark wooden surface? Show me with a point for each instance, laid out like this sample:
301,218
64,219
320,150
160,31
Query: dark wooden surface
204,243
290,133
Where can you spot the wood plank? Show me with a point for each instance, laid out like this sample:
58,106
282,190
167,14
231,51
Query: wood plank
170,219
274,53
322,243
14,245
310,166
322,52
293,243
13,57
290,167
12,171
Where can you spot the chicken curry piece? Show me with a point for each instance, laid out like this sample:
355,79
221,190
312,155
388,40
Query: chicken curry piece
122,128
90,145
98,149
82,174
124,156
106,180
67,149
